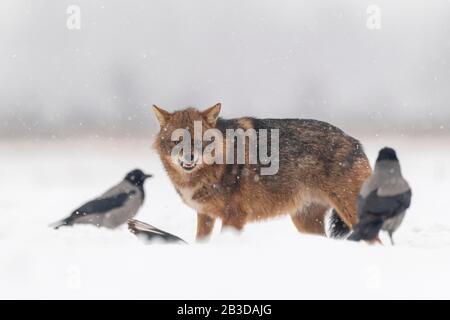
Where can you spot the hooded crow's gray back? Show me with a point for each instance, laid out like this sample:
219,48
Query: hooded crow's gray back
387,179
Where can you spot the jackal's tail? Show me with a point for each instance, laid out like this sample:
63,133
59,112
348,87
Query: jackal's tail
337,228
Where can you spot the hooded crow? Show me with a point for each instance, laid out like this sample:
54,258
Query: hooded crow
383,200
114,207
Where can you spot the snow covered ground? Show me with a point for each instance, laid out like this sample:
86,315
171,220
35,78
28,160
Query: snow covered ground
42,181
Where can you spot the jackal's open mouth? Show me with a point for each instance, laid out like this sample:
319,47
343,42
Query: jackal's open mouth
188,166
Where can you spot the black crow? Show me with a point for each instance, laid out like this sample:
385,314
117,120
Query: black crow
383,200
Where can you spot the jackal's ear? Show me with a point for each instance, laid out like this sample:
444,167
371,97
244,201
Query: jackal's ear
161,114
211,114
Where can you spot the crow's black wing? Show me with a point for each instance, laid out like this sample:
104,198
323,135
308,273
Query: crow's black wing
103,205
366,229
374,210
149,232
385,207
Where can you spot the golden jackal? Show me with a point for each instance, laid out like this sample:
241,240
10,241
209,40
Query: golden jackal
318,167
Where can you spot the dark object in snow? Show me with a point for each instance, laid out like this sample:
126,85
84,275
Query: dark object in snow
338,229
114,207
383,200
150,233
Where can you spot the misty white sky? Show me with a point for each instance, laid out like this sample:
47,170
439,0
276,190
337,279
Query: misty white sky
313,59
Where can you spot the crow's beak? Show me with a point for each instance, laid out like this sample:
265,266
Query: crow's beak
147,176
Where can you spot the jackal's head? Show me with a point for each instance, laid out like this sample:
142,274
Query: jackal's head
172,125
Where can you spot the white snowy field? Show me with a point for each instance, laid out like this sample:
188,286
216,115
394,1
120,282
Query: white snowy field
42,181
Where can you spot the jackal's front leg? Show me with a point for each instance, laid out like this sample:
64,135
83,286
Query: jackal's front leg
205,225
234,220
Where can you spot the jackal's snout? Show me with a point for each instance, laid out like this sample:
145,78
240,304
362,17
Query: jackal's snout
187,160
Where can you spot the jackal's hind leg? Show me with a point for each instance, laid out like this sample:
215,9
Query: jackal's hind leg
310,219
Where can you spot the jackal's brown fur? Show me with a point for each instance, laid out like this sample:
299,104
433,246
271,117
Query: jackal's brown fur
320,168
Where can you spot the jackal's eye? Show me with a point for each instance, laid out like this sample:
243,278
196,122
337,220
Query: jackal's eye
173,143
